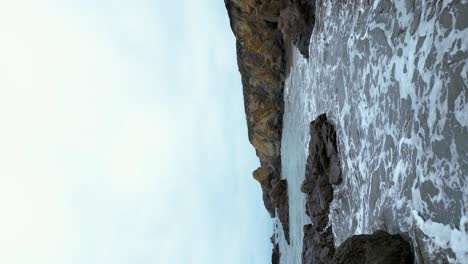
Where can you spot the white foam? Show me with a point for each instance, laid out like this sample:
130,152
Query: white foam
444,236
387,90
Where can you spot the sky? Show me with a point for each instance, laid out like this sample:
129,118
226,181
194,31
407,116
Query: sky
123,136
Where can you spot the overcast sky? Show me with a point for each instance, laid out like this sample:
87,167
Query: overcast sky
123,137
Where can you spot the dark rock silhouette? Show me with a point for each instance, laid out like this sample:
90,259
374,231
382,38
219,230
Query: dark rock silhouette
322,170
378,248
275,256
279,195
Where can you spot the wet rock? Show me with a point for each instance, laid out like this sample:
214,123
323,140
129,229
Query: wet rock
279,196
378,248
317,246
296,23
275,256
322,170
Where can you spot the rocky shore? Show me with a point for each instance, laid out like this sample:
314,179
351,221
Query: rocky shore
264,32
323,170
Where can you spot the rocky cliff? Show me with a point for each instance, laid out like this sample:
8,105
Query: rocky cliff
264,31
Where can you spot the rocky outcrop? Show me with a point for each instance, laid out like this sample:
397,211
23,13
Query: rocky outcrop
275,254
296,23
265,176
279,196
378,248
322,170
263,29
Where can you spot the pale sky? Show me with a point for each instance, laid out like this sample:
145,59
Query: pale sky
123,137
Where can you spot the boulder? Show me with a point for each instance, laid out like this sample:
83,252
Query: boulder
322,170
378,248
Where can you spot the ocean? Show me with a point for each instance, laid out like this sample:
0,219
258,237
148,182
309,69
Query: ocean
393,79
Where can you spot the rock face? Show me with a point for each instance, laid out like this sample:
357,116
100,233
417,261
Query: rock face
296,23
263,29
378,248
275,255
261,61
279,196
322,170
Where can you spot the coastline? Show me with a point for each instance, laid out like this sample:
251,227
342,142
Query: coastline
265,33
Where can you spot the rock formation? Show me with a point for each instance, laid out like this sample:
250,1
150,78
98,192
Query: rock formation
263,29
296,23
378,248
322,170
279,196
275,255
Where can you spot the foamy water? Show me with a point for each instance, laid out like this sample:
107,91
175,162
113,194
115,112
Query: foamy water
393,79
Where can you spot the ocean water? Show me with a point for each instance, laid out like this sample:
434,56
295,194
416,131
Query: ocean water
393,78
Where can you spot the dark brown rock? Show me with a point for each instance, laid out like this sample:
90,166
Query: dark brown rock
296,23
261,61
261,58
275,256
378,248
279,196
322,170
264,176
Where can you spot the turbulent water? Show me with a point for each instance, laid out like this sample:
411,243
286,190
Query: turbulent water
393,79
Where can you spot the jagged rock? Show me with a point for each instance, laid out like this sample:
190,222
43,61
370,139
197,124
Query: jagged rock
322,170
296,23
267,202
378,248
279,196
275,255
264,176
261,58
